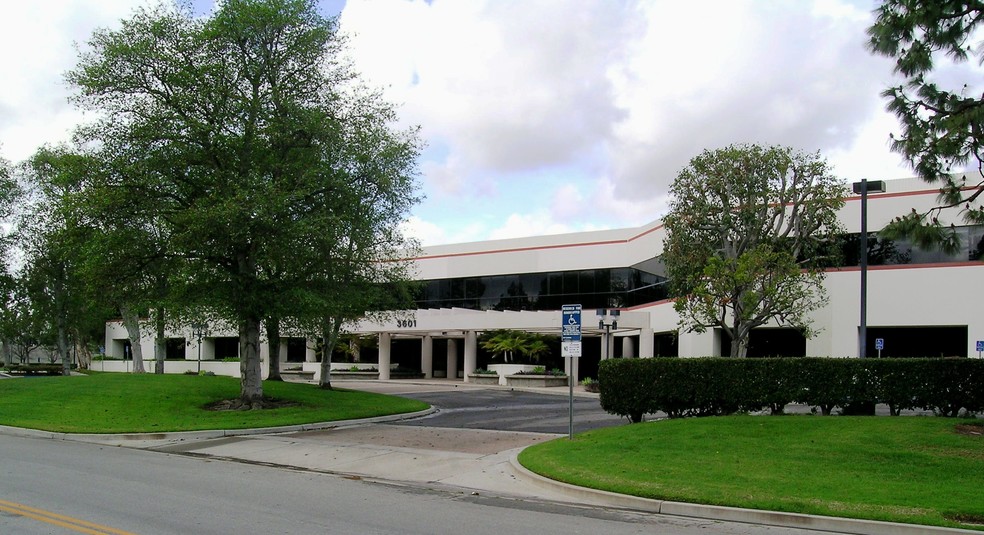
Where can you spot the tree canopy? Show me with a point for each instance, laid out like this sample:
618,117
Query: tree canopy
941,108
747,231
9,192
245,145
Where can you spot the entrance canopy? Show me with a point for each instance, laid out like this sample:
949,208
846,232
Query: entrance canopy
454,322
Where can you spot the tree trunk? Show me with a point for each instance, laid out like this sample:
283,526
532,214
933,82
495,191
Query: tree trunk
355,350
61,321
273,341
63,346
83,355
131,322
160,343
250,368
330,330
739,339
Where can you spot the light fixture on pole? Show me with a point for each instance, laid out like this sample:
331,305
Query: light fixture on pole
606,326
863,188
199,330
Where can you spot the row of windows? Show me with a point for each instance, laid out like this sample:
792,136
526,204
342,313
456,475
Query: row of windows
627,287
882,251
594,288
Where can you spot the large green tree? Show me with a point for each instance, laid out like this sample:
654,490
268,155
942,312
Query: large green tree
746,228
9,295
940,106
118,261
241,138
53,243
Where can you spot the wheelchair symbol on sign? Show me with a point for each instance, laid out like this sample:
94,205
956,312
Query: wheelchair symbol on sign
571,320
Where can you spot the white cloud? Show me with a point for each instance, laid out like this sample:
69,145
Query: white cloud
537,224
624,92
759,72
613,96
508,86
430,233
38,42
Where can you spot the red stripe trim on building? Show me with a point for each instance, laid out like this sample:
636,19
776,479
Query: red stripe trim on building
543,247
871,196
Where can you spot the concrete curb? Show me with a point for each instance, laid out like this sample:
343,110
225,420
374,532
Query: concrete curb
553,391
123,438
730,514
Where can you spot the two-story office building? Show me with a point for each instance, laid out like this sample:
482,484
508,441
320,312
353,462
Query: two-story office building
920,302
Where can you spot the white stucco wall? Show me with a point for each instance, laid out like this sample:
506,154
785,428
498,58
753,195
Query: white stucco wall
911,295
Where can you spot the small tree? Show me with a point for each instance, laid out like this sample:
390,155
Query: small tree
941,117
508,343
746,232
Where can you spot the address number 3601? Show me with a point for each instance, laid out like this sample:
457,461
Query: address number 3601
404,324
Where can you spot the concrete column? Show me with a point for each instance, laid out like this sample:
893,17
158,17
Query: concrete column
628,347
310,353
384,356
605,347
646,346
452,358
471,353
427,356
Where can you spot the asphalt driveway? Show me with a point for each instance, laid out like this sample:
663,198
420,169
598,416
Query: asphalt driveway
499,409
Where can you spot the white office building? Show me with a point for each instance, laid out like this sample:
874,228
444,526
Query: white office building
920,302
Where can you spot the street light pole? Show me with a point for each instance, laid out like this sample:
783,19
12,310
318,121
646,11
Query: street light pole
606,328
863,187
198,331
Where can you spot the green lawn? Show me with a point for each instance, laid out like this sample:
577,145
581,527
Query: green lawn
125,403
902,469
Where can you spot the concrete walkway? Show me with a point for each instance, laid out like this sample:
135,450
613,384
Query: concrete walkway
472,461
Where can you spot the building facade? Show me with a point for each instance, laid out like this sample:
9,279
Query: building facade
920,302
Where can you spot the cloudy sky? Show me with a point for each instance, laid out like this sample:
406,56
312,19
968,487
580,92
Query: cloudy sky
548,116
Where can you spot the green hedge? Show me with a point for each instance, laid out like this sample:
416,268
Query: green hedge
34,369
713,386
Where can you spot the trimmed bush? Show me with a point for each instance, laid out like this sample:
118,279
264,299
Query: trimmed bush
717,386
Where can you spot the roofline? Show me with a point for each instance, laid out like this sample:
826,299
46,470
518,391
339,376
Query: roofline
648,229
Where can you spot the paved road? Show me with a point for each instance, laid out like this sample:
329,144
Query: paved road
446,473
510,410
61,487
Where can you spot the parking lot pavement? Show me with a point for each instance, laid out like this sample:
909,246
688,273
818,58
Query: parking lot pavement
464,406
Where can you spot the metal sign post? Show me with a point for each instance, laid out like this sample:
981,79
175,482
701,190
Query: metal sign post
980,348
570,347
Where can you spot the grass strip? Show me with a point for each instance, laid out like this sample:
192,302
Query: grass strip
918,470
126,403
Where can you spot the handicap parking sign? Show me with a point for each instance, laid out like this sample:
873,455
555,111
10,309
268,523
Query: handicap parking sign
879,343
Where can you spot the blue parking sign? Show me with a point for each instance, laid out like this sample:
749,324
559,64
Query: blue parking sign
570,329
980,346
879,343
570,334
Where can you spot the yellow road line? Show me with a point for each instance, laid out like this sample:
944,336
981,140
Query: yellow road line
74,524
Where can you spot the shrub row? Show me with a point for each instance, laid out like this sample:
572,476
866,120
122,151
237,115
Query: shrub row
34,369
714,386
